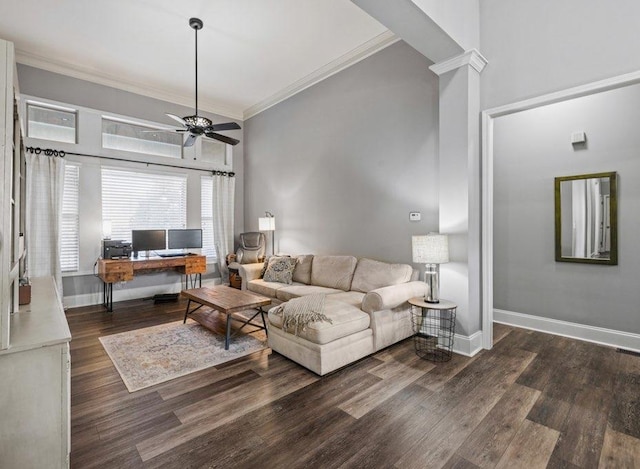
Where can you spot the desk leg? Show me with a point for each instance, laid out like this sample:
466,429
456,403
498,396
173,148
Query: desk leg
228,335
107,296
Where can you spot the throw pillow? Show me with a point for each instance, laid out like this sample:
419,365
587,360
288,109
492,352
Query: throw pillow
280,269
264,266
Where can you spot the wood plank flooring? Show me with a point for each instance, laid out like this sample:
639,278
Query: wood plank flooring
534,400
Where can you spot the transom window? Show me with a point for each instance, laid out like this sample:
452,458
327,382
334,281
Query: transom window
51,123
119,135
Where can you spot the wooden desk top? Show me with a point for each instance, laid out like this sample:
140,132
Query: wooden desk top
226,299
122,270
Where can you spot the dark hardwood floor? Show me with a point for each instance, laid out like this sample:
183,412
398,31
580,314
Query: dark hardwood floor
535,400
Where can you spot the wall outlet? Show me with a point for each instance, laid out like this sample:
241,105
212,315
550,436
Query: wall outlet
414,216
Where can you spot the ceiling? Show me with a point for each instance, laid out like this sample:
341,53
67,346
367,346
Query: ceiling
252,53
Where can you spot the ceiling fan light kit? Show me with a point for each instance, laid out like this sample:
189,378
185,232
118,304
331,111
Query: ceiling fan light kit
196,125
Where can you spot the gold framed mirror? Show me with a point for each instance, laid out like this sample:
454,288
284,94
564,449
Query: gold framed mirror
586,218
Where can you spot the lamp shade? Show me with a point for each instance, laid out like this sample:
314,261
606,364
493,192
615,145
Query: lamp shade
267,223
432,248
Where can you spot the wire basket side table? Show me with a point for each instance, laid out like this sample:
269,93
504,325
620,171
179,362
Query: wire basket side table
434,327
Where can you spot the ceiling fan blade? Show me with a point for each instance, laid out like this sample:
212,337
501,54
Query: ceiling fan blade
222,138
176,118
161,131
191,139
225,126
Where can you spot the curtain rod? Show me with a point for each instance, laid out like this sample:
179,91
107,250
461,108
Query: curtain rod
62,154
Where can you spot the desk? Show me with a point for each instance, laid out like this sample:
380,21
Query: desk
123,270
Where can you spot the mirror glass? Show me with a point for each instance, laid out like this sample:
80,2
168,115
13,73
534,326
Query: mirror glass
586,218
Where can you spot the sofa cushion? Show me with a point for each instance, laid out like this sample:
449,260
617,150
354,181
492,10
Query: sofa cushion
333,271
353,298
345,320
261,287
371,274
302,272
280,269
295,291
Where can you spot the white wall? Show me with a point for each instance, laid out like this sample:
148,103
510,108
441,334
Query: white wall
342,163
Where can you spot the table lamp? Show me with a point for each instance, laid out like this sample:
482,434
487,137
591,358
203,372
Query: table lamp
432,250
268,223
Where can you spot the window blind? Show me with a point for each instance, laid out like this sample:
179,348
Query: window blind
134,200
206,216
69,226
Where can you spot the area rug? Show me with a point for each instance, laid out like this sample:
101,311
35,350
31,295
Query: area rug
153,355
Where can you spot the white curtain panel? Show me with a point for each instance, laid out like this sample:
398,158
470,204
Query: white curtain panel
223,209
44,188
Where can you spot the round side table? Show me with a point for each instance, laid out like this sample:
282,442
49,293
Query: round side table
434,327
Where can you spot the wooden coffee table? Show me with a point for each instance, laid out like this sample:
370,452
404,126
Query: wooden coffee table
227,300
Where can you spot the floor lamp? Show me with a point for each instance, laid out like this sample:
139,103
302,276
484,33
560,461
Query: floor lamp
268,223
431,249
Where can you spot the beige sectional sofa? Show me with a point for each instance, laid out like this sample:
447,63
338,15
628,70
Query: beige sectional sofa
366,302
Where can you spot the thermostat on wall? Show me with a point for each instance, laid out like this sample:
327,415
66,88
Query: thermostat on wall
414,216
578,137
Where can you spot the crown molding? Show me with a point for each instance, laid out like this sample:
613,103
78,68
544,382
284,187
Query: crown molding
350,58
144,89
472,57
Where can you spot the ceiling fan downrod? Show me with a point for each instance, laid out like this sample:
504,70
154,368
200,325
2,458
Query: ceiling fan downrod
196,24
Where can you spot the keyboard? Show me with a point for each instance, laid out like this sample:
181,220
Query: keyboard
171,254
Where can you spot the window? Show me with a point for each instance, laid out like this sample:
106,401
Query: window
142,201
206,216
69,225
119,135
51,123
214,152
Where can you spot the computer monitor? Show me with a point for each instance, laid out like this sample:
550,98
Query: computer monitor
185,239
148,240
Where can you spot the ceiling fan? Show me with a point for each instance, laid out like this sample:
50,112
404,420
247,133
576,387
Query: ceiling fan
198,125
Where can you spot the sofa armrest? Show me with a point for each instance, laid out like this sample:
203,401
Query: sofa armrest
249,272
392,296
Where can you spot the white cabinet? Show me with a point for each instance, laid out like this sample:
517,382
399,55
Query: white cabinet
35,388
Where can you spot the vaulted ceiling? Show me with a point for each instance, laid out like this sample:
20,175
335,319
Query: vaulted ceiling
252,53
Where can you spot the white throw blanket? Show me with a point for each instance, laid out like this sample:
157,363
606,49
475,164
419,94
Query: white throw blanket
298,313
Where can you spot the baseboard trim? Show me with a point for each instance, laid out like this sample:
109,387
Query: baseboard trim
597,335
90,299
467,345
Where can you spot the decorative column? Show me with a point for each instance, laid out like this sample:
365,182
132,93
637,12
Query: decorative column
460,190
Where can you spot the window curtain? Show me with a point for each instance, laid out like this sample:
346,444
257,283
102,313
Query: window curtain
223,210
44,189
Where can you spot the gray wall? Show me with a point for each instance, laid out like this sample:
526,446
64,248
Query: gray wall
535,47
53,86
533,147
342,163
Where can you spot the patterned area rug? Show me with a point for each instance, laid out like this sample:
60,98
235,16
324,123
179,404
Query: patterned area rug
153,355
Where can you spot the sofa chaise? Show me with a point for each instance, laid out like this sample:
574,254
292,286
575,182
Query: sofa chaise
366,301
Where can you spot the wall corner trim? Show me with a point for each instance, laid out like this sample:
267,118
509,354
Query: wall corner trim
350,58
598,335
472,58
468,345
